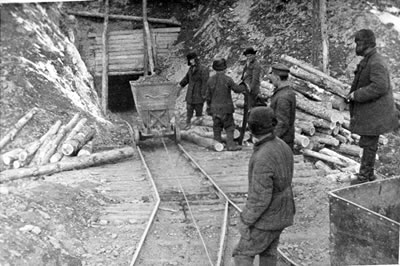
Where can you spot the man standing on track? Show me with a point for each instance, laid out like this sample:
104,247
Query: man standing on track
372,108
196,79
270,205
220,104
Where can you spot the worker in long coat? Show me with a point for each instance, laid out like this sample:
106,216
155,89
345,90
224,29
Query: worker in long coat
251,76
196,78
283,102
270,204
372,108
220,104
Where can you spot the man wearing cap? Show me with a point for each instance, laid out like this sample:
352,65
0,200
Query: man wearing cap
270,205
251,76
283,102
372,108
196,79
220,104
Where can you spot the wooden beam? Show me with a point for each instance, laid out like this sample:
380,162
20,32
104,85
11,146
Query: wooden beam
124,17
104,95
324,36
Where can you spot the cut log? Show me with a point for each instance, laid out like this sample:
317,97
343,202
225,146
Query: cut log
325,139
9,157
27,154
52,148
44,146
317,122
323,166
324,157
341,139
57,156
125,17
17,164
207,132
17,127
87,149
73,145
349,149
74,163
307,127
339,156
204,142
316,109
320,78
301,140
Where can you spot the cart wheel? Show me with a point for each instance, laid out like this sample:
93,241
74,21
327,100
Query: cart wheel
136,136
177,134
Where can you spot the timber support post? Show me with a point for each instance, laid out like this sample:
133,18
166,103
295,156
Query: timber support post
104,82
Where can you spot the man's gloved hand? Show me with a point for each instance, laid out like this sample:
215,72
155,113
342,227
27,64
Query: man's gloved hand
244,230
350,97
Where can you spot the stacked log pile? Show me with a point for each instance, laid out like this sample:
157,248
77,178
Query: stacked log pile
54,151
322,121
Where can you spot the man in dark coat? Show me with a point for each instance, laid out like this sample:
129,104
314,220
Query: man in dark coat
220,104
270,204
196,79
372,109
251,76
283,102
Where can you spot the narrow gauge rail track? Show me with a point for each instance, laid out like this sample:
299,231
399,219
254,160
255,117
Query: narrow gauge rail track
194,221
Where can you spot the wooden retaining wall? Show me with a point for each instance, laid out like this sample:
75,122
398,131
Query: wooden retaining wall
126,49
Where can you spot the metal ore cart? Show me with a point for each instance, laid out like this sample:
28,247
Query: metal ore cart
155,103
365,224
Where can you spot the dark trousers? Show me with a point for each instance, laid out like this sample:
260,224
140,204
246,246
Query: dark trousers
262,243
370,147
223,121
191,108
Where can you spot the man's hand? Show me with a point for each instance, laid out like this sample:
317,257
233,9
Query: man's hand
350,97
244,230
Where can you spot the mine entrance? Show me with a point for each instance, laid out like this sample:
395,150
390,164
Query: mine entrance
120,96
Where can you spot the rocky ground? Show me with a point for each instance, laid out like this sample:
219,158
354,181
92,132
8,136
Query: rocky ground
39,68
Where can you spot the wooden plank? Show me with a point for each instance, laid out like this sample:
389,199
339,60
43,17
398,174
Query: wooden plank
121,73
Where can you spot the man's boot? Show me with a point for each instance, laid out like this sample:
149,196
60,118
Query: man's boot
188,123
231,145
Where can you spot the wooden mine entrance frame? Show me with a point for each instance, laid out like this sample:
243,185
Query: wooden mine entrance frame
112,47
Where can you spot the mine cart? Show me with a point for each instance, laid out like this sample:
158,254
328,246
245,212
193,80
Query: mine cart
365,224
155,103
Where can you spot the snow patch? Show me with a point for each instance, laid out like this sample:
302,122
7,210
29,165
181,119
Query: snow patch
386,18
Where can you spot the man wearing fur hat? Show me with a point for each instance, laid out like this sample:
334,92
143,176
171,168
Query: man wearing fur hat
220,104
283,102
270,204
251,76
372,108
196,79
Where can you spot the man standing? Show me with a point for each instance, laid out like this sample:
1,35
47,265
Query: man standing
251,79
196,79
283,102
251,76
270,205
220,104
372,109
